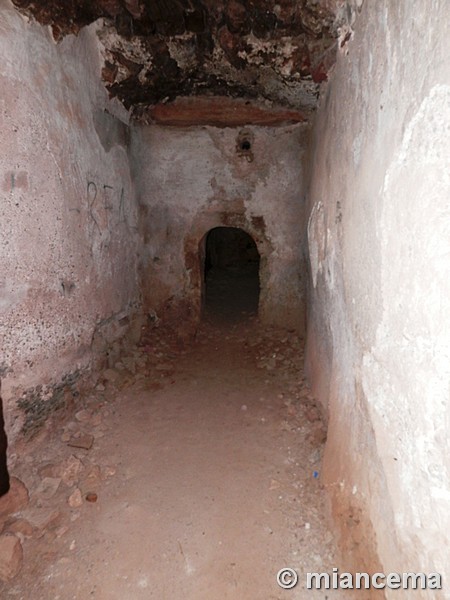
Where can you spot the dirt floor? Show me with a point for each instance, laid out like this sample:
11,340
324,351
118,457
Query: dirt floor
202,481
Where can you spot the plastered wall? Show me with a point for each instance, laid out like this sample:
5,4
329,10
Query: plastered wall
379,321
193,179
68,229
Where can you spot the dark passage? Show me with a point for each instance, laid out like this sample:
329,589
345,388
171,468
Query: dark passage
231,274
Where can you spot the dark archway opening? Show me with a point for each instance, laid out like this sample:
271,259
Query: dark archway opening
231,270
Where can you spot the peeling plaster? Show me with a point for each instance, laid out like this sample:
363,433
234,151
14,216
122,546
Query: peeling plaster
278,52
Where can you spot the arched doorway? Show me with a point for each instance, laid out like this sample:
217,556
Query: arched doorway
231,273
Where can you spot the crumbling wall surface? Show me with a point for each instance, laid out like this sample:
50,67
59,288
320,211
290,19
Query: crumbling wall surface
67,214
379,245
191,180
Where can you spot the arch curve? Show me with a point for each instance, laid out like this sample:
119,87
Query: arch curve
194,254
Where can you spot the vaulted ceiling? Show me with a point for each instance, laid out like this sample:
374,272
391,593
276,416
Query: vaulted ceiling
274,52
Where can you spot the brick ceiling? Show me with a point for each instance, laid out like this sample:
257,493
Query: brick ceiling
275,53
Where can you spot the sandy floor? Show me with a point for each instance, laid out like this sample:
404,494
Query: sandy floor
206,466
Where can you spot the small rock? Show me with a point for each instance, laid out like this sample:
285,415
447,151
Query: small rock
108,472
91,497
11,556
83,416
315,456
84,441
312,414
244,407
41,518
65,437
96,420
15,500
21,527
318,434
51,470
48,487
72,468
75,499
93,476
61,531
100,387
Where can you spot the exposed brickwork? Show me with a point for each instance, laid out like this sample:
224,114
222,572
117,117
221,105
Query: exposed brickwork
156,51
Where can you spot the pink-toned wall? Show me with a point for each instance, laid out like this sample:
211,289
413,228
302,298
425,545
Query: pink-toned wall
379,327
68,235
192,179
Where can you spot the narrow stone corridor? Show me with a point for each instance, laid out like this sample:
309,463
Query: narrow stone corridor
206,468
224,299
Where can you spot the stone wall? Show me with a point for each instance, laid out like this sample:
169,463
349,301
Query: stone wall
379,326
190,180
68,238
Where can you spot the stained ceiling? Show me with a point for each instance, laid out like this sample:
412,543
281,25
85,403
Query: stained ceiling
273,52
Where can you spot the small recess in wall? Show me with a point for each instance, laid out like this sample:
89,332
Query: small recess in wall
244,145
67,287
